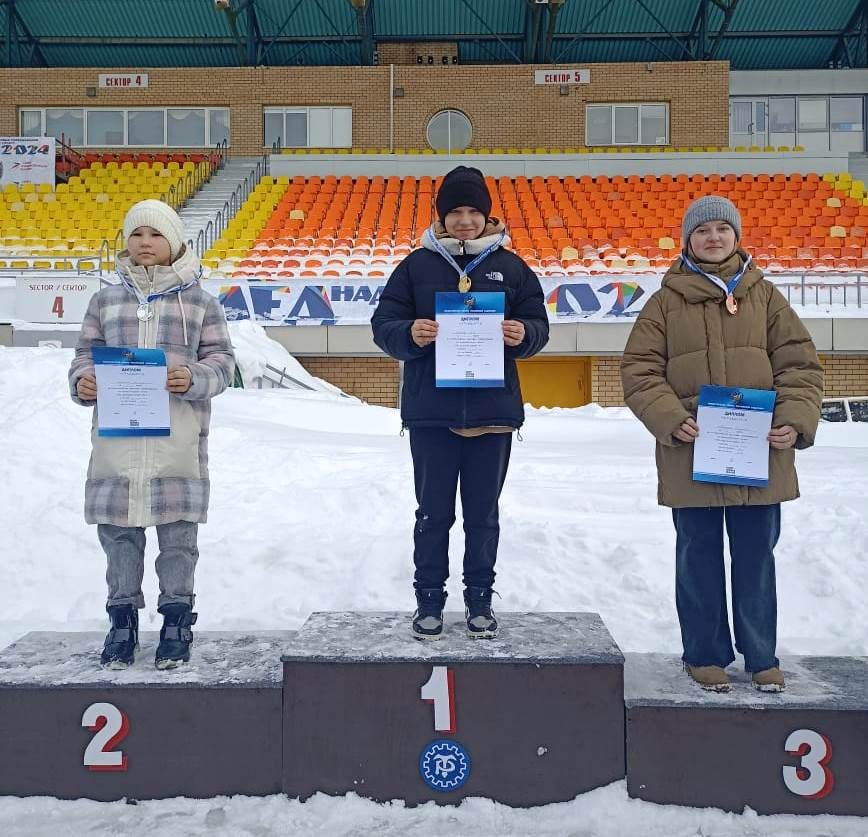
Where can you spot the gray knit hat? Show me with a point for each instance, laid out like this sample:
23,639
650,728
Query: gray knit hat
710,208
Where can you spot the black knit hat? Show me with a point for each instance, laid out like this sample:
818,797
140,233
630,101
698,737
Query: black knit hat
463,186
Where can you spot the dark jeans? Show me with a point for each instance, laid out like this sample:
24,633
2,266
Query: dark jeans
700,584
439,458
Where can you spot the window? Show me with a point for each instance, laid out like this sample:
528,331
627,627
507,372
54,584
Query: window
146,127
598,125
449,130
846,113
813,113
185,128
31,123
782,115
105,127
627,124
308,127
218,127
135,127
65,123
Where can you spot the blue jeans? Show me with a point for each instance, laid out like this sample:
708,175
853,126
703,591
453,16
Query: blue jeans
700,584
440,457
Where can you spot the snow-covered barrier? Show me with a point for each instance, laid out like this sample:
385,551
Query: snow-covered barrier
71,729
532,717
803,751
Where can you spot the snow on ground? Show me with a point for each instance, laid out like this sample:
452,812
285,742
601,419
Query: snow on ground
312,509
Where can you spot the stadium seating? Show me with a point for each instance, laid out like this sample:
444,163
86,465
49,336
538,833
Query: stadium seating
343,226
54,228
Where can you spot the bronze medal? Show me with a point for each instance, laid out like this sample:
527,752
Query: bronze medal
464,283
731,304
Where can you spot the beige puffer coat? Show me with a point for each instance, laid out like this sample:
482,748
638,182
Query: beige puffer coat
684,338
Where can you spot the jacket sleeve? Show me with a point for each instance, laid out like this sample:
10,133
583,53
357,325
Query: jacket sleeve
798,375
214,370
89,336
394,316
643,375
530,309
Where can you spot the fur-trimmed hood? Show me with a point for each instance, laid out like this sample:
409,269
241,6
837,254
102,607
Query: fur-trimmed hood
493,228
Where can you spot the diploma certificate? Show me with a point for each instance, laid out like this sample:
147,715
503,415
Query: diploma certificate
131,394
732,446
469,350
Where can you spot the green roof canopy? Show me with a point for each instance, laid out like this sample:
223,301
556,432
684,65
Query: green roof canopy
750,34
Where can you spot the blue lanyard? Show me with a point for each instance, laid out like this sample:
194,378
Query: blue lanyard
462,271
728,287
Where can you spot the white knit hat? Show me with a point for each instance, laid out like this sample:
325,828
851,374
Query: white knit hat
161,217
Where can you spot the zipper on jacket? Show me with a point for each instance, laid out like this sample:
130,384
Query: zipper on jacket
146,441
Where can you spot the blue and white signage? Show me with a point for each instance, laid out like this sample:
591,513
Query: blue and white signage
732,446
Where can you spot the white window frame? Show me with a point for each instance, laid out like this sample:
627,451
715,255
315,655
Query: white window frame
639,107
284,110
126,111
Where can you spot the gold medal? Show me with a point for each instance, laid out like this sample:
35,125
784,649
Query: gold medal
731,304
464,283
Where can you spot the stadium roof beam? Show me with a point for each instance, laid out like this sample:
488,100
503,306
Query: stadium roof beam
853,39
703,48
364,10
676,38
280,31
532,24
484,22
572,38
18,34
553,6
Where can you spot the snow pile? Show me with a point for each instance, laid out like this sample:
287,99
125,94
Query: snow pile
312,509
255,351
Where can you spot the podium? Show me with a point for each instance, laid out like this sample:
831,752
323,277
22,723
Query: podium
71,729
801,751
534,716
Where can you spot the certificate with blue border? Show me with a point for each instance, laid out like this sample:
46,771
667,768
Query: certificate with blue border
469,350
131,394
732,446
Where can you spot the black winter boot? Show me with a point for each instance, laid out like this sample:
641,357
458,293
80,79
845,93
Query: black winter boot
122,641
175,635
428,618
481,623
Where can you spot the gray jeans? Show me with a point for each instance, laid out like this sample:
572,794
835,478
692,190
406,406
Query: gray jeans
125,549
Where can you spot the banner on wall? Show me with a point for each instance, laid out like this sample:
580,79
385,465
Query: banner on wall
309,302
26,160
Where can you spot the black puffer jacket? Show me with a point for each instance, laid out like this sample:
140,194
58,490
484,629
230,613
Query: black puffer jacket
409,295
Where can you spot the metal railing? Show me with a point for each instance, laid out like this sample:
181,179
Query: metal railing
822,289
215,228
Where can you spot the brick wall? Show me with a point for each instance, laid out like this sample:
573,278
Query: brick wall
373,379
606,381
845,374
502,102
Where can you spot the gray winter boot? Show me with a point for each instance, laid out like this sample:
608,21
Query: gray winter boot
481,623
428,618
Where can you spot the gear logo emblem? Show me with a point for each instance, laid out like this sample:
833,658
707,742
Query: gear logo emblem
444,765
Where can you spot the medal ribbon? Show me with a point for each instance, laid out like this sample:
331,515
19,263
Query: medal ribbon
462,271
155,296
728,287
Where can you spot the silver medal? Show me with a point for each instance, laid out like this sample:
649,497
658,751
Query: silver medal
144,312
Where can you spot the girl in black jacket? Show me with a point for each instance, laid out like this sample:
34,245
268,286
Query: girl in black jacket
454,432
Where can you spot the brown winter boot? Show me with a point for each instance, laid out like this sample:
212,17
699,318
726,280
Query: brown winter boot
769,680
711,678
